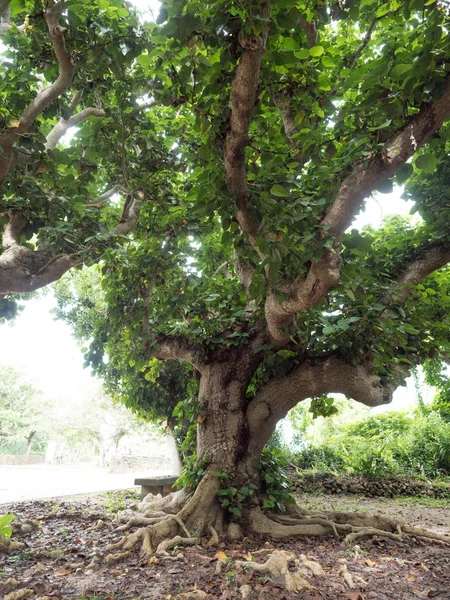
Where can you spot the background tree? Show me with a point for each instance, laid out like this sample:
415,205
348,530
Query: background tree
24,414
269,126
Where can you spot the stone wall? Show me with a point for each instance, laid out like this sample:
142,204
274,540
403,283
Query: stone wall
21,459
389,487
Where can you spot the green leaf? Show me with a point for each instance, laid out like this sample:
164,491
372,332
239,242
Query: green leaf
327,62
410,329
279,190
302,54
144,59
399,71
426,162
316,51
385,187
383,10
16,7
403,173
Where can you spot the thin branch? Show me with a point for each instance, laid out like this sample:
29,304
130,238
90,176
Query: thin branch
64,125
366,39
48,95
130,214
116,189
284,106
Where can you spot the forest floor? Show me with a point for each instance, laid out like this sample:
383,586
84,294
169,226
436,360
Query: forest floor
56,561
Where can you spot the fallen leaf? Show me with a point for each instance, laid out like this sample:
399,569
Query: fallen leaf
62,572
221,556
370,563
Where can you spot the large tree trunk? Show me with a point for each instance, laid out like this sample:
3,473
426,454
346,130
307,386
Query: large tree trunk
232,432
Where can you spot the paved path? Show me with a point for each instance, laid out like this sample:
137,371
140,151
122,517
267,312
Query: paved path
33,482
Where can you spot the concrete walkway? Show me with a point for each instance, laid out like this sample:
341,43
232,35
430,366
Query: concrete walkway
34,482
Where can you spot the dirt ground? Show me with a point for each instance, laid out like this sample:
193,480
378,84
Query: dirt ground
59,559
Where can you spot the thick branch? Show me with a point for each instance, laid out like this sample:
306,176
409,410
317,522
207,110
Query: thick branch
310,30
242,102
432,260
178,348
4,5
13,229
23,270
401,146
312,378
46,96
363,179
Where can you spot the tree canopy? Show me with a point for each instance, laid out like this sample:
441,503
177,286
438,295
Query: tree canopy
244,137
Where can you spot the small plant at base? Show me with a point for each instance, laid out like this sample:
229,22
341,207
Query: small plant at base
5,529
276,483
234,499
192,473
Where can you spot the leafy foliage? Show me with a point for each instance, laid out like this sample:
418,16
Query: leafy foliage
383,445
246,199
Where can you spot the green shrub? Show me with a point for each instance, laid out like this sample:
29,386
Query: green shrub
384,445
275,482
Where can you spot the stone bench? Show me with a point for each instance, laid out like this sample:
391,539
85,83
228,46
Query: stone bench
155,485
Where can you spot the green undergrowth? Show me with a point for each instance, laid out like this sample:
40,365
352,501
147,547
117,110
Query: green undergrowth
393,444
114,502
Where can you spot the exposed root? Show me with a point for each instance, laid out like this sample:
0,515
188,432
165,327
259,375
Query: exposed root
214,540
370,531
117,557
426,535
277,566
19,594
355,525
177,540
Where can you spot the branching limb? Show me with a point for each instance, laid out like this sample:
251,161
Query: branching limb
48,95
242,102
365,176
178,348
315,377
434,258
24,270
